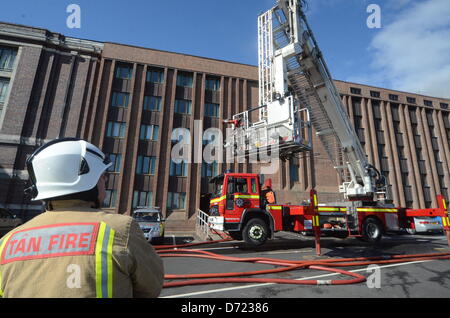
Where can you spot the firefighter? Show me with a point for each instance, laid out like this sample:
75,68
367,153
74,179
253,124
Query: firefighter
74,249
268,193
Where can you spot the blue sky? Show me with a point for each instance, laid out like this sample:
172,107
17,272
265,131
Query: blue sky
228,30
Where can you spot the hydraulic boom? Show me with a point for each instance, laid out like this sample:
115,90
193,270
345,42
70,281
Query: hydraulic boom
296,91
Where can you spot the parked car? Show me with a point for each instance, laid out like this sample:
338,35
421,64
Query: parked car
152,223
8,221
426,224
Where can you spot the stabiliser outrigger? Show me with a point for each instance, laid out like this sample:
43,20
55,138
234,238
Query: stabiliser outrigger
296,94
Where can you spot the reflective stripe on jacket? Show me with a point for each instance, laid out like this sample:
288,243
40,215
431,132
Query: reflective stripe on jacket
77,251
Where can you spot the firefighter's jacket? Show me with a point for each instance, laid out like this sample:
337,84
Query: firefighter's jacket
77,251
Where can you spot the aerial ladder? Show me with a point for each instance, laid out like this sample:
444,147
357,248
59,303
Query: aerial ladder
296,94
297,97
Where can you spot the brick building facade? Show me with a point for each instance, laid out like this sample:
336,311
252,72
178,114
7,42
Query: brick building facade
46,88
128,100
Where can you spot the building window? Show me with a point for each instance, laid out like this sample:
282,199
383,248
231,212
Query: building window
146,165
356,91
444,105
120,99
184,80
178,169
210,170
4,85
212,84
410,100
183,106
176,200
293,172
124,72
149,132
7,58
152,103
110,198
212,110
428,103
375,94
142,199
116,160
116,129
393,97
154,76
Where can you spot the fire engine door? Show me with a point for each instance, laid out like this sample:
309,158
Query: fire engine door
237,191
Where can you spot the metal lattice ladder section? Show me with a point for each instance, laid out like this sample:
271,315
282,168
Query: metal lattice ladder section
323,127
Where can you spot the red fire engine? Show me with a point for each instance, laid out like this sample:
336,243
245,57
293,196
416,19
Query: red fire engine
296,94
239,207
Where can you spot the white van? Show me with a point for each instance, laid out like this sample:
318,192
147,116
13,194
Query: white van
152,223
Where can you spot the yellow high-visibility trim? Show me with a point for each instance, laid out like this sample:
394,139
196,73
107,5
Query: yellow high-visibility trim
276,207
110,263
315,220
445,221
445,204
98,260
104,262
331,209
246,196
315,200
218,199
376,210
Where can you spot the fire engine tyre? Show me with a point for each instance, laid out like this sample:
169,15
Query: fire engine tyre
372,230
255,232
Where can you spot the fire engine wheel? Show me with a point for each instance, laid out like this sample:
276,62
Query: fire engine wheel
372,230
255,232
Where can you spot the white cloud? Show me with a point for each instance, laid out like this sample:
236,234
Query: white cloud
412,53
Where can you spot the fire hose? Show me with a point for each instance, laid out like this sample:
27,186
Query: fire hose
328,265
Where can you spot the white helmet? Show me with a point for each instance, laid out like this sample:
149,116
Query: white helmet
65,166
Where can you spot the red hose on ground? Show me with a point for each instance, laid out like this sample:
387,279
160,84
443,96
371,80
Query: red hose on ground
286,265
358,279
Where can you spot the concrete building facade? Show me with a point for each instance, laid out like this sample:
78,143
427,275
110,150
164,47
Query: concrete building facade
128,100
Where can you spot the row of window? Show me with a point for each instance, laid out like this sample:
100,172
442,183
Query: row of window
394,97
157,76
147,166
175,200
153,103
117,130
